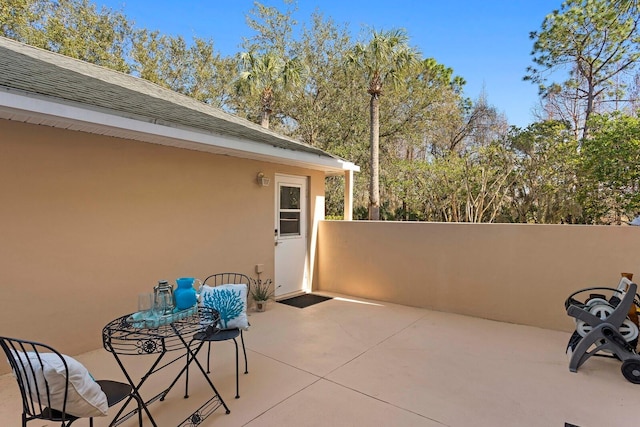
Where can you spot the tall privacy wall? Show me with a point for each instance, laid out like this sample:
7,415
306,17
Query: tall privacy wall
516,273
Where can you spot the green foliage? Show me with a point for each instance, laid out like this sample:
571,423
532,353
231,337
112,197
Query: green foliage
441,156
262,290
73,28
194,69
22,20
547,160
473,186
610,190
268,76
273,29
595,41
385,57
334,217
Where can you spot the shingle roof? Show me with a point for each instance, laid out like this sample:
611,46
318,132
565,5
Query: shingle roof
46,73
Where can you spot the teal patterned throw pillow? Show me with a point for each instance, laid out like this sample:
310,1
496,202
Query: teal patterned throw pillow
231,303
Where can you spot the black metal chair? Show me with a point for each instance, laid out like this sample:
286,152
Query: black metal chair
45,378
227,334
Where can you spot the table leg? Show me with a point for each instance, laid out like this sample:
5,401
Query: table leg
204,374
117,420
193,358
183,370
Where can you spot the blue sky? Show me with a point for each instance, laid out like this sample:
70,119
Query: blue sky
486,42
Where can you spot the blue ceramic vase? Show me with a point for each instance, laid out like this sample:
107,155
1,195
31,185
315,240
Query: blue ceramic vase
185,295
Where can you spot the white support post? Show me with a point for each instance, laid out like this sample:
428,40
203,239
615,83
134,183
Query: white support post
348,195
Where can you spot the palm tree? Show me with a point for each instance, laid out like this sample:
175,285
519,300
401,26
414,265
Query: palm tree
384,58
266,75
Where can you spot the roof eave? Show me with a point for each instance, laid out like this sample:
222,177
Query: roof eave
39,109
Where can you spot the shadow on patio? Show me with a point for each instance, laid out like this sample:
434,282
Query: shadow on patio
348,362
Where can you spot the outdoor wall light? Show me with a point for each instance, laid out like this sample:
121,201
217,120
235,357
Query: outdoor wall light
263,181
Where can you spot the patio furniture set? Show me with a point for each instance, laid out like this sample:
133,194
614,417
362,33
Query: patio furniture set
58,388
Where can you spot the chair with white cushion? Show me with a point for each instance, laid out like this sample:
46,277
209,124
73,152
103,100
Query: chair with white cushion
58,388
228,294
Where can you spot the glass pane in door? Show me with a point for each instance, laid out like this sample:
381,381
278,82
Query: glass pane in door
289,197
290,223
289,211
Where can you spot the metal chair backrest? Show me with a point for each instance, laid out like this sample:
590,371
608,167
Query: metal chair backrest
228,279
26,363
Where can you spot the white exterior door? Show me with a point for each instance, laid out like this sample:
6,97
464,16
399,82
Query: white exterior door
291,234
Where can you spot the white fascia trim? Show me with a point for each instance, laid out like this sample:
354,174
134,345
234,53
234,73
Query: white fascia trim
46,106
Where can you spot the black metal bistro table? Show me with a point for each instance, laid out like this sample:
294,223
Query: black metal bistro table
126,337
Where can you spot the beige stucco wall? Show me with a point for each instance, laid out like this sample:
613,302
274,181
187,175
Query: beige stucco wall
88,222
514,273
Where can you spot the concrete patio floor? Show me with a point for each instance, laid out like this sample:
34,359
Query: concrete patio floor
348,362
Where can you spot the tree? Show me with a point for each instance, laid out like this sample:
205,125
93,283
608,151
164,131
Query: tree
562,103
634,96
73,28
596,39
195,69
162,59
267,75
431,152
274,29
610,190
382,59
22,20
544,191
324,105
469,187
324,110
269,67
413,114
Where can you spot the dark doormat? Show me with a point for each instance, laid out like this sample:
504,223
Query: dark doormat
302,301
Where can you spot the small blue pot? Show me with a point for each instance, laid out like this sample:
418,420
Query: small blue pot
185,295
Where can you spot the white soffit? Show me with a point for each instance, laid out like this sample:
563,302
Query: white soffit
41,110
